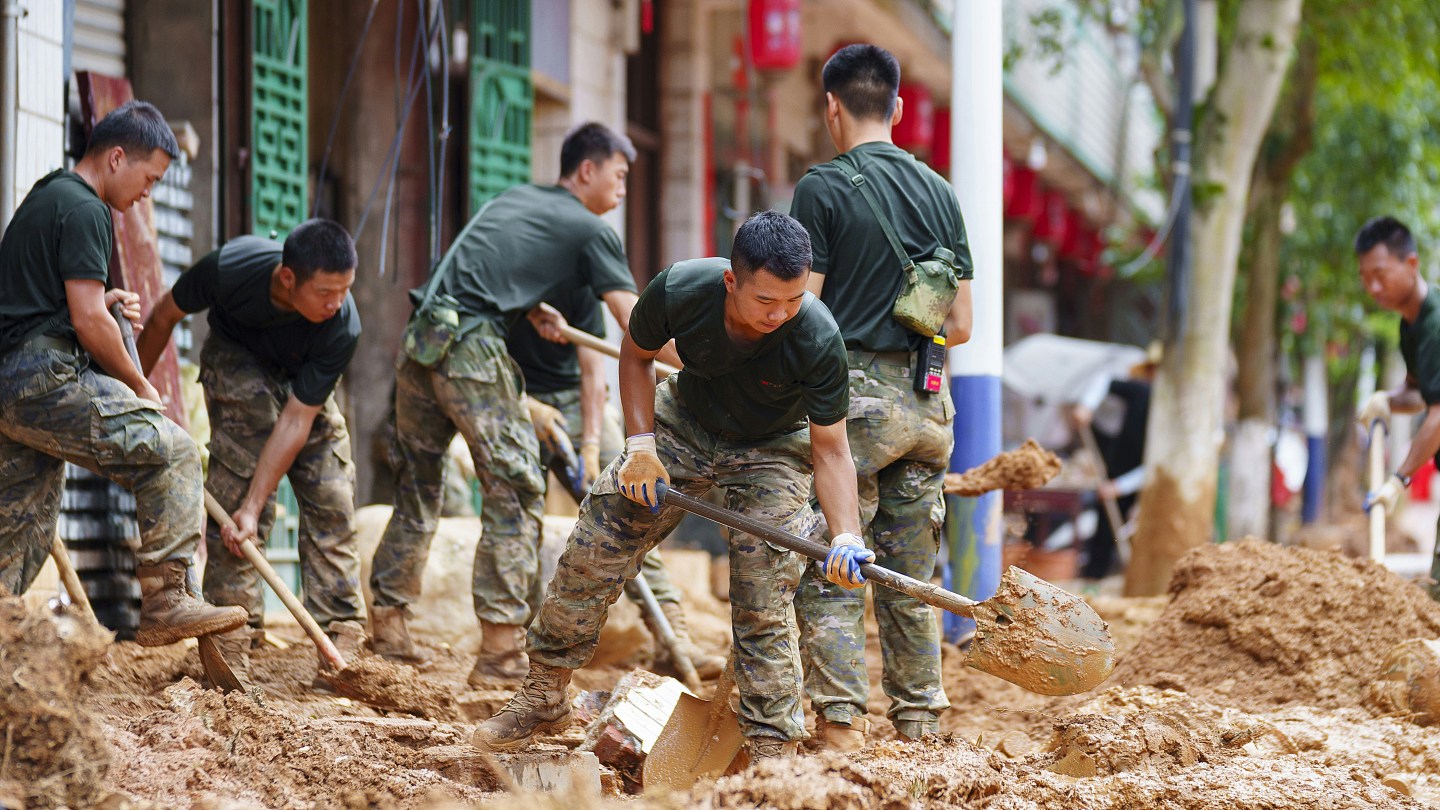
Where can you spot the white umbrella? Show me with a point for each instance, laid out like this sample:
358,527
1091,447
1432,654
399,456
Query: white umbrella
1054,370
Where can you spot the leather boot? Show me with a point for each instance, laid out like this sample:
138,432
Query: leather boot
168,611
389,637
541,706
772,748
348,637
502,655
235,646
841,739
707,666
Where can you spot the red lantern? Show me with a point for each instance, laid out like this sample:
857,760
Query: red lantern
940,145
775,34
1026,201
1054,225
916,130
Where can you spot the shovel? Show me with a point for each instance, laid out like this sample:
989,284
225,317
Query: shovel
589,341
1030,633
217,669
1377,479
700,739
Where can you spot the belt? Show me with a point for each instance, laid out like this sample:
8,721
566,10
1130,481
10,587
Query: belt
70,346
900,360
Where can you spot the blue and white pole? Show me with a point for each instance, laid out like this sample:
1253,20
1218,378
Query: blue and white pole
1316,416
973,528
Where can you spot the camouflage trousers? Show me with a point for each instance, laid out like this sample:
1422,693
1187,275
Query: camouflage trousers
244,397
901,442
567,402
476,390
54,407
768,479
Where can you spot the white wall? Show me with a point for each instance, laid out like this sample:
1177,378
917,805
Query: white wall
39,125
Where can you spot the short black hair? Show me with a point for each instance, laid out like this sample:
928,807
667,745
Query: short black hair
595,142
1387,231
315,245
866,79
138,128
775,242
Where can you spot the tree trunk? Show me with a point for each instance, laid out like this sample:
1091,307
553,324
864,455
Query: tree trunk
1250,457
1182,439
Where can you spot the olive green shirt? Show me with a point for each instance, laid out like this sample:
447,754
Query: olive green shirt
528,245
795,372
862,273
61,232
548,366
234,284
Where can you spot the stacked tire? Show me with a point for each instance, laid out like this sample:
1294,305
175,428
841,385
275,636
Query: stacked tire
98,525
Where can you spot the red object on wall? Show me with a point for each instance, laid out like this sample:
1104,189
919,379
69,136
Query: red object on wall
940,144
1007,180
916,130
1025,202
1054,226
774,27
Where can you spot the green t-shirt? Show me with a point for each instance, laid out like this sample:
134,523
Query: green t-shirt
60,232
528,245
548,366
797,371
1420,346
862,272
234,284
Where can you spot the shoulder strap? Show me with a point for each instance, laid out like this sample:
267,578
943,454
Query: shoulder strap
852,167
437,273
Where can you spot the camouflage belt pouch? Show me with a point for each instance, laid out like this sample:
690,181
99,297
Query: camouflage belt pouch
432,330
927,293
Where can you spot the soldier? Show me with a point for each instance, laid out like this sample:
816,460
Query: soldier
525,246
901,437
69,391
283,327
762,356
571,380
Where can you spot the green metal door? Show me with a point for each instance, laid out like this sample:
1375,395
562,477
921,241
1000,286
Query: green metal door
501,100
279,105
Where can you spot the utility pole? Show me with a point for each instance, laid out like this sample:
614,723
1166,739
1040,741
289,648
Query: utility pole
973,525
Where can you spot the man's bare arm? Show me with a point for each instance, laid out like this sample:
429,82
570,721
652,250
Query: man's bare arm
151,343
835,486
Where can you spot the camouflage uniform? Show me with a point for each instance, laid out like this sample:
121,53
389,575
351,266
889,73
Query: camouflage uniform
568,404
768,479
901,444
54,408
476,389
244,397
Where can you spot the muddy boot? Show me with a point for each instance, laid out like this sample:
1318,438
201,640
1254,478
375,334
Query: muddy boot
542,706
348,637
502,655
841,739
707,666
169,613
772,748
915,729
389,637
235,647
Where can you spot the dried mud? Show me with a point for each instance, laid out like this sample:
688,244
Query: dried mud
392,687
1028,466
1258,626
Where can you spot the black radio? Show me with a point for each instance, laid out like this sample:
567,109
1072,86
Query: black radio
930,366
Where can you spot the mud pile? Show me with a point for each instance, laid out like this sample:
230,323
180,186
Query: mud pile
52,752
206,745
1026,467
1258,626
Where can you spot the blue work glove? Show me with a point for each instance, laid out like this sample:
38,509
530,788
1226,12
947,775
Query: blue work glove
842,564
1386,496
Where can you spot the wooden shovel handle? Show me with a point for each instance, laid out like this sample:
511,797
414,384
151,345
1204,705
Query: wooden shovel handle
252,554
589,341
1377,479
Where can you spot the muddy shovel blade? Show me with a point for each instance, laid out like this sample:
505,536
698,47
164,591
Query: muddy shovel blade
217,669
1040,637
1029,633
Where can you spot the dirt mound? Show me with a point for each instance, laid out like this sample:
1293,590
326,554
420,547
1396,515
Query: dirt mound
1255,625
209,745
1026,467
53,751
392,687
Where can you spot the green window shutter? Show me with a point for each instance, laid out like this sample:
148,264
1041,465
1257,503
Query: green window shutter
501,100
278,102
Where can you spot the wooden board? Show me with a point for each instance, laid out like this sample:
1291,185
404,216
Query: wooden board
135,261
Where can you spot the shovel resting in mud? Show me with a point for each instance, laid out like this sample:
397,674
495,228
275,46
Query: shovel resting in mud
1030,633
217,669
